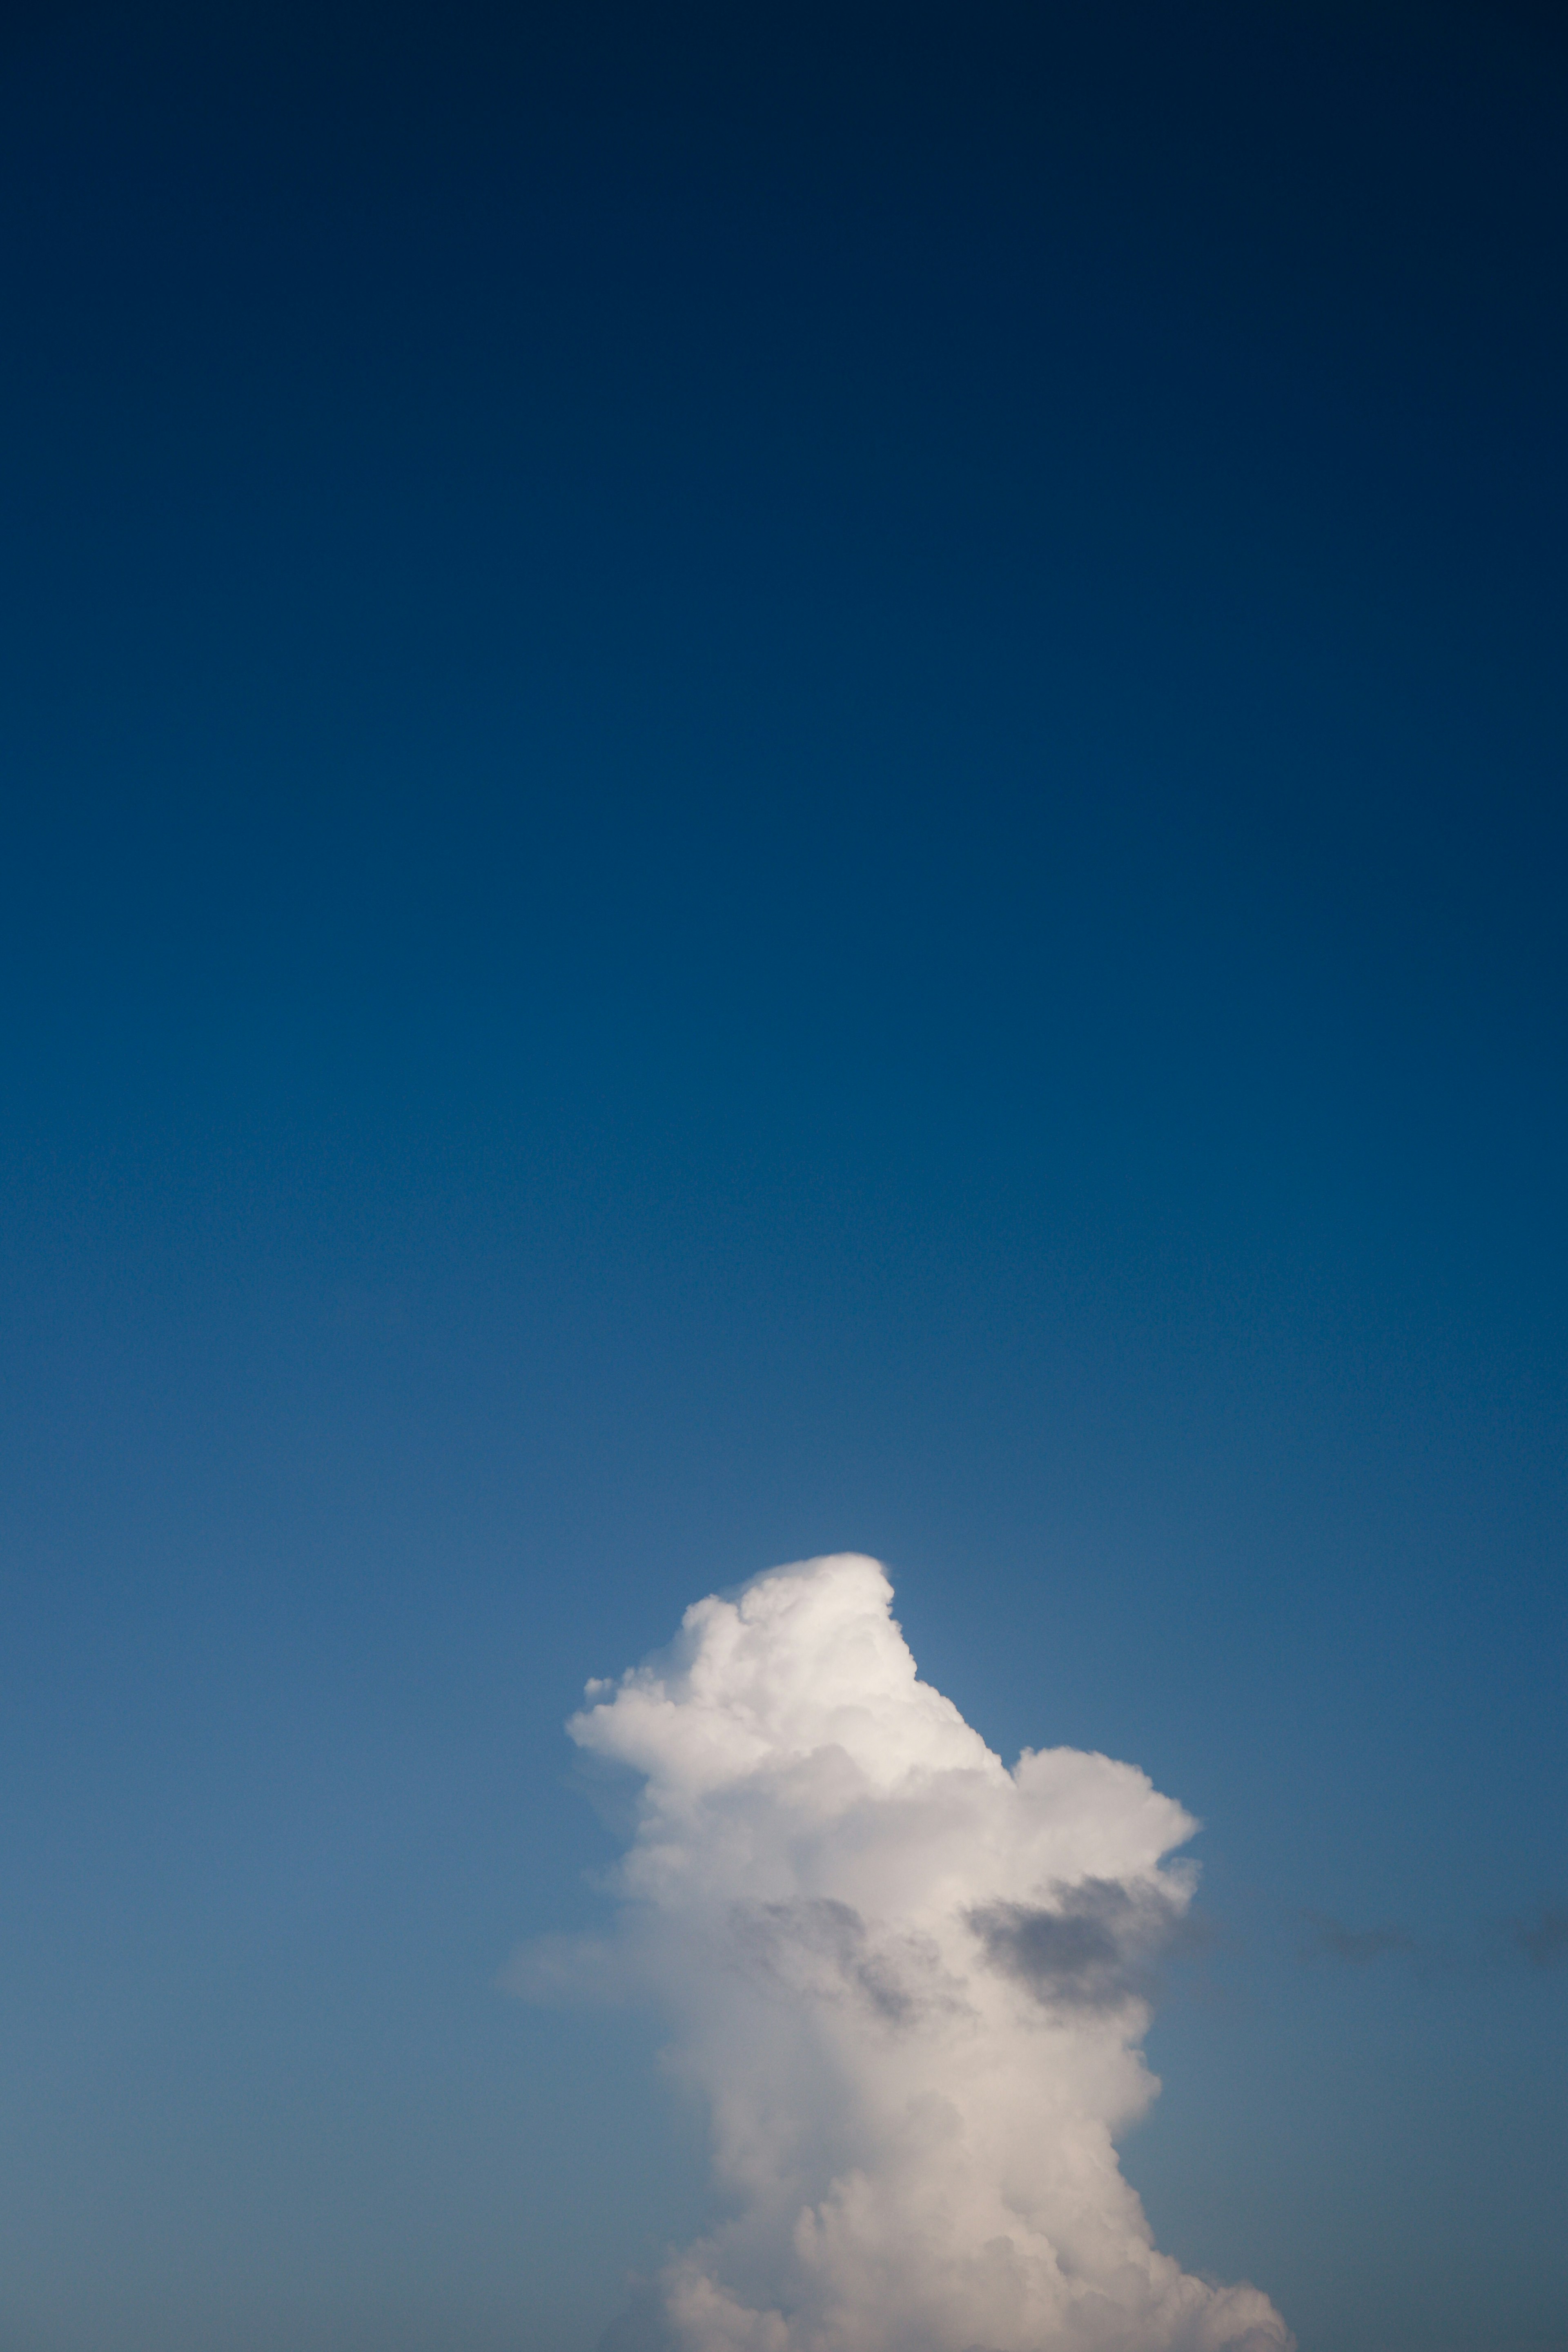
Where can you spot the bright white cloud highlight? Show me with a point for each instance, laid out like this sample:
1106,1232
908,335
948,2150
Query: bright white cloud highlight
911,1986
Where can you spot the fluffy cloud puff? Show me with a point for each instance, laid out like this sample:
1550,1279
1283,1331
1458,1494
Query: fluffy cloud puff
909,1984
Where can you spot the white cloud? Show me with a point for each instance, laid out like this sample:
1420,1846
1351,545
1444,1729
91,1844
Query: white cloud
910,1985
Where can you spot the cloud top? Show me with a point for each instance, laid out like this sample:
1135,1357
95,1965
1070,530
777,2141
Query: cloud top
909,1984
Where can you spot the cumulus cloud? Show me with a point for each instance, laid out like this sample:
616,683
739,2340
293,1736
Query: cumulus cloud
909,1984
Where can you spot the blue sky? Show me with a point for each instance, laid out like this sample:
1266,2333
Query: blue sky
778,781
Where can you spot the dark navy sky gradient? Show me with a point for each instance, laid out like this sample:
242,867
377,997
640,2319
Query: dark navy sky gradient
776,779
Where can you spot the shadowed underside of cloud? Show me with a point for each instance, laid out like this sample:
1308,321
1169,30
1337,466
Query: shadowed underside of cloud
910,1985
1094,1945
